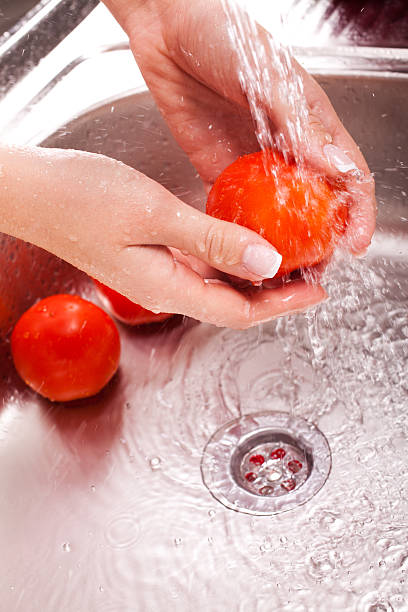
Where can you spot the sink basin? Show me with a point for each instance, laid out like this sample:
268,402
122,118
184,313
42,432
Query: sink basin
103,504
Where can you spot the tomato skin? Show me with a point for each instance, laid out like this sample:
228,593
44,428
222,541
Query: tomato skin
124,309
65,347
303,219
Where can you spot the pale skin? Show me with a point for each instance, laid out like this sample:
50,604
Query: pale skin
128,231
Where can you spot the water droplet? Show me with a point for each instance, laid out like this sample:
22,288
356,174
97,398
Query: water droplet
155,463
66,547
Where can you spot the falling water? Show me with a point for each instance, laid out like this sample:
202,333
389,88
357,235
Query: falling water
270,78
270,81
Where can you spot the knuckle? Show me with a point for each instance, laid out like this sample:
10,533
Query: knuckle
218,247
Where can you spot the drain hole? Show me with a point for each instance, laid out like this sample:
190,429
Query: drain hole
271,463
266,463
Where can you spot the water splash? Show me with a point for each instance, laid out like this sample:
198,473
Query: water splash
272,85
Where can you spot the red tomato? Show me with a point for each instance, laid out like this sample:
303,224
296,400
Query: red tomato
65,347
125,310
302,215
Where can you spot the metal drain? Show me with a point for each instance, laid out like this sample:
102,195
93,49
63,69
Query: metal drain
266,463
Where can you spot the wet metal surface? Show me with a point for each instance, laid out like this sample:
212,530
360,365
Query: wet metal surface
102,502
30,29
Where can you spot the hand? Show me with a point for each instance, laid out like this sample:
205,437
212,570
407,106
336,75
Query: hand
191,67
122,228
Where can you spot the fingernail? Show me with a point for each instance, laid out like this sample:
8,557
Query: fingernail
261,260
338,158
361,254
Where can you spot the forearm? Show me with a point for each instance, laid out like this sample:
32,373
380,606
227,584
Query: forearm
48,195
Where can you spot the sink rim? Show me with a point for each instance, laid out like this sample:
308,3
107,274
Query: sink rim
324,61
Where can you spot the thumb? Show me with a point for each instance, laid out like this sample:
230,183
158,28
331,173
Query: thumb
226,246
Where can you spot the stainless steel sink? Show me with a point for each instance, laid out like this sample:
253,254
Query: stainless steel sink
102,502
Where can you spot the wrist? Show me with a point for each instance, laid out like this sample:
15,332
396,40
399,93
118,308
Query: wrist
134,14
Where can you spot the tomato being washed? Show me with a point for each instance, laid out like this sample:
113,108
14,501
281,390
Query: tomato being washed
301,214
125,310
65,347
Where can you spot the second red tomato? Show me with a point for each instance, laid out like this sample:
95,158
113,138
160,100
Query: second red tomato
124,309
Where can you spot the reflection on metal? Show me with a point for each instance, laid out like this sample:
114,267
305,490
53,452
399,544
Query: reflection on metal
36,34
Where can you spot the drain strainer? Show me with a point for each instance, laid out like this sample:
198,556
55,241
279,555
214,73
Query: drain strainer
266,463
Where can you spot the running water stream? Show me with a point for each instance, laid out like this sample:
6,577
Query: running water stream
271,83
270,79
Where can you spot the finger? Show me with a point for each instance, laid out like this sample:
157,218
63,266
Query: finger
226,246
151,277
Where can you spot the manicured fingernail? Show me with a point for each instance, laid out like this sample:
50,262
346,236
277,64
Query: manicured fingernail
261,260
361,254
338,158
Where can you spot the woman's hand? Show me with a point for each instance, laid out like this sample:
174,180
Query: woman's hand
191,67
127,231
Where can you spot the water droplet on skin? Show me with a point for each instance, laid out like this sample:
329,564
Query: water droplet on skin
178,541
155,463
66,547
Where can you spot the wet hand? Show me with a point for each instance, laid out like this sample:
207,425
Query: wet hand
190,65
130,233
